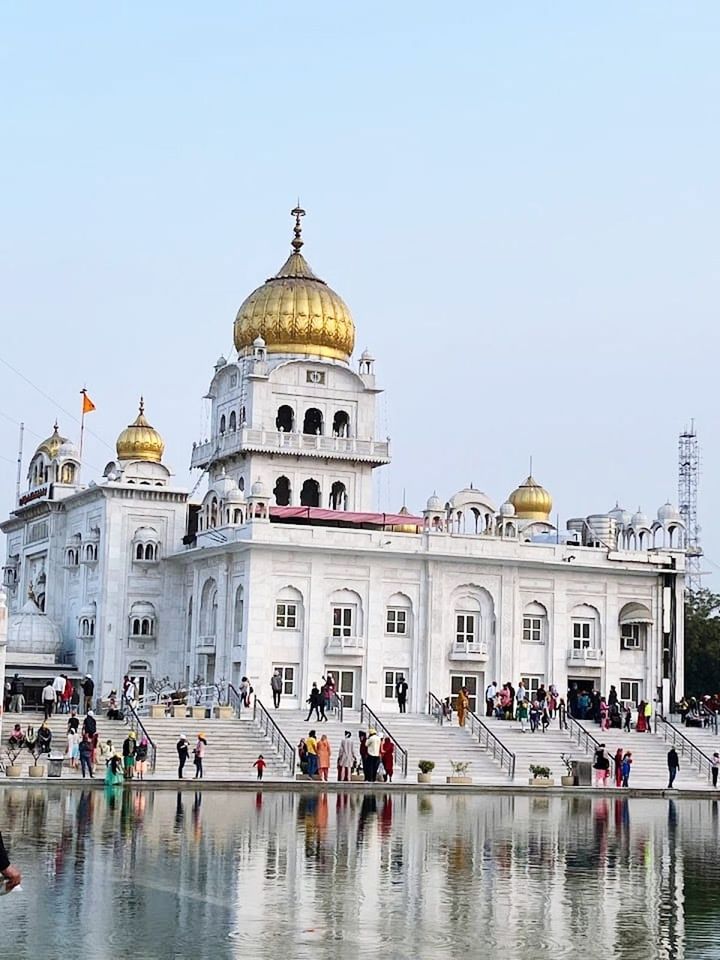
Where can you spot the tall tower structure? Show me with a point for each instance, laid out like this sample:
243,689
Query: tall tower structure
688,479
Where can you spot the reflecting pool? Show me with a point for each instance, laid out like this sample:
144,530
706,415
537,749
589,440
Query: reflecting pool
294,875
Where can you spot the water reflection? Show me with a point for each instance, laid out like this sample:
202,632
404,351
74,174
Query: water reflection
327,874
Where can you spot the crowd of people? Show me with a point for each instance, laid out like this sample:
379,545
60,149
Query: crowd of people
374,759
59,695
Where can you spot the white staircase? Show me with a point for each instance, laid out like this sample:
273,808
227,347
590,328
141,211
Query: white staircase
543,749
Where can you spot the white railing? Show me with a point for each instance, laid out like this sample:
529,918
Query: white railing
344,645
477,650
585,655
275,441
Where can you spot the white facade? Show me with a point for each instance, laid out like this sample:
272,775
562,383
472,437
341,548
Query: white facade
138,580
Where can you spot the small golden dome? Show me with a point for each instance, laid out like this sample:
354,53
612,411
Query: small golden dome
404,527
531,501
140,441
52,445
296,312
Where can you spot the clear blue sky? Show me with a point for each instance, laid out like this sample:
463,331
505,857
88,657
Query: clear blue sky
518,201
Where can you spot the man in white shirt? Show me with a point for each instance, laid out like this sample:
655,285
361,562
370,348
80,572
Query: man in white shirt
48,699
490,695
520,694
373,748
59,688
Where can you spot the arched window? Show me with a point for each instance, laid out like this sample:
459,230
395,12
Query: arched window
585,640
473,619
398,616
208,608
232,423
346,619
282,492
142,619
239,613
67,473
241,484
289,609
535,623
222,424
136,627
341,424
313,423
285,419
149,551
635,623
310,494
338,496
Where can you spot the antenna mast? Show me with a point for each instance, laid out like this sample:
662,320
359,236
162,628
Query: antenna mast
688,479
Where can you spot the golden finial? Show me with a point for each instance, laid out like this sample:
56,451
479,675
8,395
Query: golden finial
298,241
142,406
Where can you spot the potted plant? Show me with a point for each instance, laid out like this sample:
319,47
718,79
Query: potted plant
13,769
568,780
459,772
35,769
426,768
159,687
541,776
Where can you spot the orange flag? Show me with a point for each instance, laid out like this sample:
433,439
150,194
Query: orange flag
87,405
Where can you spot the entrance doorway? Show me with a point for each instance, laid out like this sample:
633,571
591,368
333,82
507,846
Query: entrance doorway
347,684
473,682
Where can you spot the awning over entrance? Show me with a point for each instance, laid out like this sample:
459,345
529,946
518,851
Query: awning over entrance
37,671
635,613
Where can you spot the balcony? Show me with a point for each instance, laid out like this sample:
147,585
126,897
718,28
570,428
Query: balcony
591,656
274,441
205,645
476,650
345,646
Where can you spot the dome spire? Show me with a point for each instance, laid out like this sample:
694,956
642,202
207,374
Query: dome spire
298,241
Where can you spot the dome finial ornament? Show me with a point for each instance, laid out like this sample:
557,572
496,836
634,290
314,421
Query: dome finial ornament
142,406
298,241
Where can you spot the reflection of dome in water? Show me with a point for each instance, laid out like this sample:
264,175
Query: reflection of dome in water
31,631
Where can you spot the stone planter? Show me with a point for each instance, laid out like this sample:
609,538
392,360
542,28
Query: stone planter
36,770
541,782
157,711
179,711
357,778
568,781
224,713
198,713
424,778
13,770
459,780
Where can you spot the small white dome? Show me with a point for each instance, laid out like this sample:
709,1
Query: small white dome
145,535
507,509
258,489
31,631
220,362
623,517
259,343
235,496
639,519
223,485
68,451
434,503
667,512
366,355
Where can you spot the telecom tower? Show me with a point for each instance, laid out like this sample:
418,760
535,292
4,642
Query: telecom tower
688,477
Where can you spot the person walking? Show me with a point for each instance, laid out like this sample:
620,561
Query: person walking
521,695
324,753
626,767
462,704
562,714
315,700
59,688
346,758
312,759
199,754
129,749
387,756
245,691
490,694
363,751
601,765
88,689
648,716
373,749
673,762
85,751
67,695
183,752
73,748
522,713
401,692
618,766
328,695
48,699
13,877
17,694
534,716
260,766
276,685
627,717
141,755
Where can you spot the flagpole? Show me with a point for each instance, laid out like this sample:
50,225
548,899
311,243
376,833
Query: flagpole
83,393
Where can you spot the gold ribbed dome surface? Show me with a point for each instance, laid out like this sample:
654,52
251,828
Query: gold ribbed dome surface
140,441
52,444
405,527
531,501
296,312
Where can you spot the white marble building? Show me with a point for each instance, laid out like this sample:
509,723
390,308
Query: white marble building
285,564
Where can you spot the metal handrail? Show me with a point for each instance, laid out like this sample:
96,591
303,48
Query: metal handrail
585,738
488,740
136,724
234,699
379,725
711,715
695,754
436,708
337,704
277,738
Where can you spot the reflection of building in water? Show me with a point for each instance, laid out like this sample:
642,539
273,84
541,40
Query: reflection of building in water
284,561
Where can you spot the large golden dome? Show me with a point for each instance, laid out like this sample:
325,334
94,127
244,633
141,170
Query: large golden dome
296,312
52,445
140,441
531,501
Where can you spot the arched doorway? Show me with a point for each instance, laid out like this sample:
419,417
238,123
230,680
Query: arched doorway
313,422
338,496
310,494
282,492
